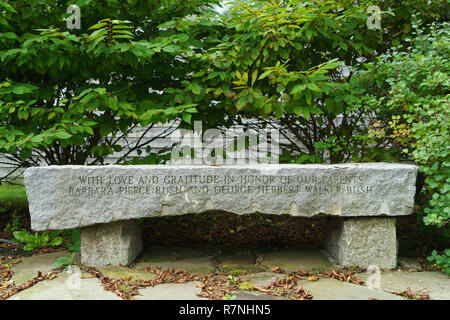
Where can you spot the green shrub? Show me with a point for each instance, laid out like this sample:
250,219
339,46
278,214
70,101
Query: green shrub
441,261
408,89
36,240
49,103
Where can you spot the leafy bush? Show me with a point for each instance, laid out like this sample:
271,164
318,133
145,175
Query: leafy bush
421,87
36,240
283,62
441,261
67,96
280,60
412,85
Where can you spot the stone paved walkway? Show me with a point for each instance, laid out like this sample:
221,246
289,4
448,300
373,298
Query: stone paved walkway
251,268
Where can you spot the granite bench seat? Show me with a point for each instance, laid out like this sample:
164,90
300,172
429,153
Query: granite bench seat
362,201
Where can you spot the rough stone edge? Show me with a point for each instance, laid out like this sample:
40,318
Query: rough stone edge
338,242
115,243
39,225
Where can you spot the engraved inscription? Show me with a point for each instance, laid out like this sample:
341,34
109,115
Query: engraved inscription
116,185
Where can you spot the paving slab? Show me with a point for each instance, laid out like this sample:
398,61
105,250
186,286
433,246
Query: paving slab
29,266
190,260
239,262
67,286
261,278
435,283
171,291
330,289
301,258
135,274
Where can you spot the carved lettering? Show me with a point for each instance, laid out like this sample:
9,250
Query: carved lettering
105,186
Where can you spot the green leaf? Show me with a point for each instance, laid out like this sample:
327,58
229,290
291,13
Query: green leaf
241,103
187,117
196,89
113,103
28,247
298,88
265,74
63,135
55,241
308,97
254,76
98,25
18,90
313,87
22,236
171,48
89,123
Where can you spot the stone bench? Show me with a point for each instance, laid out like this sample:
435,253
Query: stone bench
106,201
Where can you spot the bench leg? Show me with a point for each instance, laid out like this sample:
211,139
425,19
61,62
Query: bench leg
362,241
112,243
